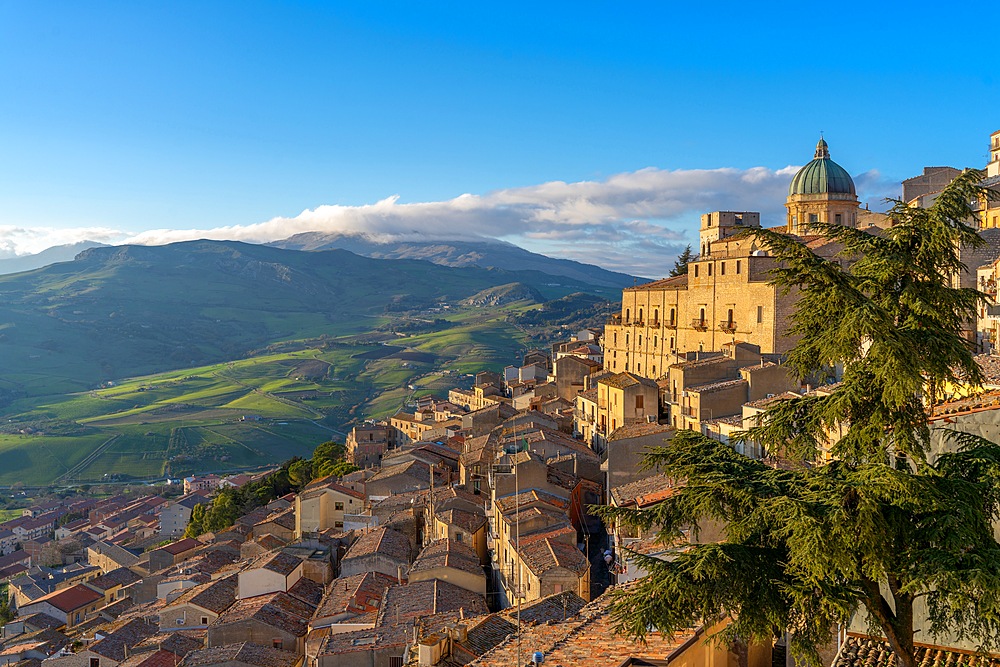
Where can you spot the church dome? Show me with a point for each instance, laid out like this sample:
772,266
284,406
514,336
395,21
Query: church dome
822,176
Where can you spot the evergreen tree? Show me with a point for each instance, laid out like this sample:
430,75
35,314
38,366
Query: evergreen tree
681,265
884,524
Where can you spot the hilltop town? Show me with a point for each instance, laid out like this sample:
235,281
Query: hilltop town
465,531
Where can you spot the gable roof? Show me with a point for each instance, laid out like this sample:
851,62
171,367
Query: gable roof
245,653
541,556
419,599
214,596
383,541
356,594
275,610
69,599
448,553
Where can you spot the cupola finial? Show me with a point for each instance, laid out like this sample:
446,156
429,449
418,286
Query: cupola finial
822,150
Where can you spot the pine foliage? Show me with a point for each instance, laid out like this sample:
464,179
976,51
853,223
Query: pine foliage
887,522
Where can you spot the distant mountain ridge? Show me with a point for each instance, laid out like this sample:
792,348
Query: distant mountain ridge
120,311
59,253
487,253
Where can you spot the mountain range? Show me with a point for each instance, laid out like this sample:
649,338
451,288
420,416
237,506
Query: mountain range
486,253
121,311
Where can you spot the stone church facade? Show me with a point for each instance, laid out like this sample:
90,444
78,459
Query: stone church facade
725,296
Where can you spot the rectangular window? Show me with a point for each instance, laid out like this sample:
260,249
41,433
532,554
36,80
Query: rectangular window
204,620
277,643
638,402
837,218
737,267
813,217
339,507
760,314
709,269
722,268
95,662
695,270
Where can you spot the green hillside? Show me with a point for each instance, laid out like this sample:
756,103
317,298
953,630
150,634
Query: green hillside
132,363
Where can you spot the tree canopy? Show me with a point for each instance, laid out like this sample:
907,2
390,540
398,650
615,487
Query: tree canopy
681,264
886,521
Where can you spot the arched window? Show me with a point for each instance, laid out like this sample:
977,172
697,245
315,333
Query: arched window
656,315
640,316
702,316
628,315
626,339
730,318
673,316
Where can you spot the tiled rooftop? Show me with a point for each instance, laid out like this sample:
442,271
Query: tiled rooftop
384,541
424,598
718,386
639,429
123,637
546,554
120,577
554,608
280,563
356,594
180,546
395,637
466,520
867,652
246,653
585,640
626,379
215,596
276,610
448,553
677,282
627,494
307,590
70,599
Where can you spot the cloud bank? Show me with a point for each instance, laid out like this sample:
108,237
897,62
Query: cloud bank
634,222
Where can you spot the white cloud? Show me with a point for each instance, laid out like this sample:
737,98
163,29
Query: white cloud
15,241
634,222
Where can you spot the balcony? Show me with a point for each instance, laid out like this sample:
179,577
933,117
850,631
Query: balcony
614,319
699,325
728,326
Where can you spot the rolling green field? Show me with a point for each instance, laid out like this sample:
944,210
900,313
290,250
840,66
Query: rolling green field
248,412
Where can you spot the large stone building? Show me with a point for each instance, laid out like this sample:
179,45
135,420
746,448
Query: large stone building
726,296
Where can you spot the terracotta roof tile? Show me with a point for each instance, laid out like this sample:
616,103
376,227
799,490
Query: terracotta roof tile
448,553
424,598
628,494
70,599
859,651
246,653
587,639
277,610
546,554
356,594
215,596
384,541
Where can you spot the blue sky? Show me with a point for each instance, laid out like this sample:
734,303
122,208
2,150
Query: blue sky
161,121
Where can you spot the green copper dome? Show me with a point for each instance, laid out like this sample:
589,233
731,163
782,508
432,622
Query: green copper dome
822,176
